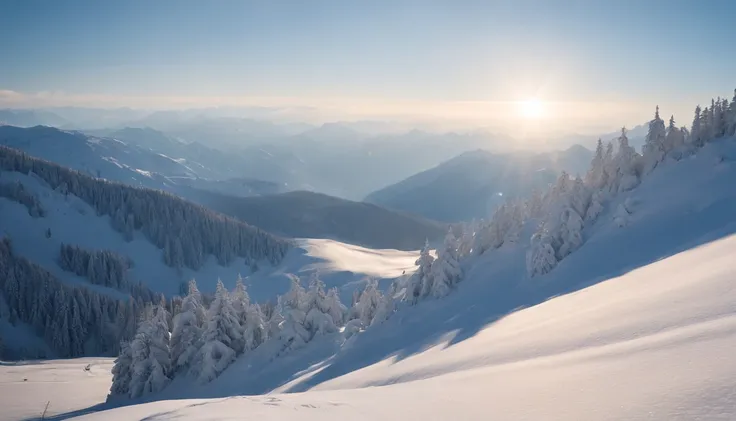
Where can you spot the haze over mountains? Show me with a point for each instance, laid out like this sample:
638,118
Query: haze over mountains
480,181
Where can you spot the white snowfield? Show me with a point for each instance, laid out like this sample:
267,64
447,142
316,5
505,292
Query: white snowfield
654,344
66,385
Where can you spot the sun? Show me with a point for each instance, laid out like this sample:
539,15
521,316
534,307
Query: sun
531,109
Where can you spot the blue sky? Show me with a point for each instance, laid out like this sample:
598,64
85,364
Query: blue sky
436,52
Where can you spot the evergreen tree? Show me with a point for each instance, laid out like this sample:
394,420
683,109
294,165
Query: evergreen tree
254,330
151,365
335,307
187,329
596,175
626,163
221,333
540,257
293,332
446,270
318,318
609,168
595,208
654,149
370,300
121,372
272,317
696,132
385,309
416,285
570,235
675,137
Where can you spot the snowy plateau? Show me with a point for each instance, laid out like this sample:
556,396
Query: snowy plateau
637,323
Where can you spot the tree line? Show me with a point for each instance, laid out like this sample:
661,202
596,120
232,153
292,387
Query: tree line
188,233
192,340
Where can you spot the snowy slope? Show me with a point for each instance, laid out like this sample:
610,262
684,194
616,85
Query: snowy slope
639,323
72,221
656,343
26,387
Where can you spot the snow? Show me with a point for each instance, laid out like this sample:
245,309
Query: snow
656,344
74,222
639,323
64,384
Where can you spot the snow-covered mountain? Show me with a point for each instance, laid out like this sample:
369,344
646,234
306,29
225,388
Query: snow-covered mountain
638,323
473,184
138,157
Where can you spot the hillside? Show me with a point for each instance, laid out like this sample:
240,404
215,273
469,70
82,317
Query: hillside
89,244
303,214
641,313
472,184
134,255
639,317
657,337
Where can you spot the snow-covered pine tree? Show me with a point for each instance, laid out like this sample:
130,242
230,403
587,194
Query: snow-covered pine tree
240,298
385,309
540,257
221,333
675,138
370,300
706,128
609,168
697,134
626,165
415,288
467,234
272,317
731,117
250,317
240,301
318,320
121,372
335,307
654,149
187,329
446,272
293,334
254,329
595,208
580,196
570,235
151,364
719,118
596,175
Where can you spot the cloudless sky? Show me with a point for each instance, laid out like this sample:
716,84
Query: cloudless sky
620,51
